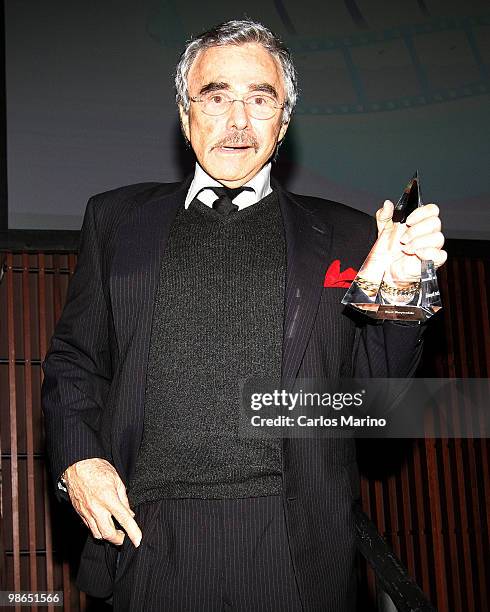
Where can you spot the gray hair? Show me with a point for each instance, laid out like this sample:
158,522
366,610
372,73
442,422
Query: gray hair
237,32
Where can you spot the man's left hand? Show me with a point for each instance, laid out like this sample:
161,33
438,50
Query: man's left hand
419,238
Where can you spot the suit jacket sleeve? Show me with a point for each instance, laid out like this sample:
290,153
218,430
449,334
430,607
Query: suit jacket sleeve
77,367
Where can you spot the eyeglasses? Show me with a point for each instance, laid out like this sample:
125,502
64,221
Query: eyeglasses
258,105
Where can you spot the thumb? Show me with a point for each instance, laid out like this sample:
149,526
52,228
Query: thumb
384,216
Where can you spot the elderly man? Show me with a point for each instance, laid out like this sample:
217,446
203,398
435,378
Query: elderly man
180,291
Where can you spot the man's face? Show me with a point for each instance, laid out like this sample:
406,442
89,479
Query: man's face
233,147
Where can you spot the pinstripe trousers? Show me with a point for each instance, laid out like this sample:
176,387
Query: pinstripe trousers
208,555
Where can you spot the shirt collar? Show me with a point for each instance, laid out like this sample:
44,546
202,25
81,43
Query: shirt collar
260,184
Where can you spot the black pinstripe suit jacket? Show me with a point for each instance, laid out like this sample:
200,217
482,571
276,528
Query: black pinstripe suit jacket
94,372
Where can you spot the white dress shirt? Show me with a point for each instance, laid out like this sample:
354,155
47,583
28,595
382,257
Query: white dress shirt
202,183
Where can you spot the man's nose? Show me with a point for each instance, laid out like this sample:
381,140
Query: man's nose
237,117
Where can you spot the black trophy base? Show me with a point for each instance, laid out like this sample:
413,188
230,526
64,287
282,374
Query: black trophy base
392,312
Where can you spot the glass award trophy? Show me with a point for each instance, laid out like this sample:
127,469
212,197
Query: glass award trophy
373,290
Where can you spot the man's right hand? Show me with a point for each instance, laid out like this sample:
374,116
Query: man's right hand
98,494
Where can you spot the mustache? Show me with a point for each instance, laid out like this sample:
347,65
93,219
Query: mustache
238,138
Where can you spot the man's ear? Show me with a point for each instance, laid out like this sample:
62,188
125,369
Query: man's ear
282,131
184,122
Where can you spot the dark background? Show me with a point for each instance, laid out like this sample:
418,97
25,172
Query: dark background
387,87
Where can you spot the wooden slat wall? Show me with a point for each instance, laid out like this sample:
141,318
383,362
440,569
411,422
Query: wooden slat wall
41,540
433,505
431,500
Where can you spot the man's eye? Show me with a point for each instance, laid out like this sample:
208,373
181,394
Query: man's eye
216,99
262,101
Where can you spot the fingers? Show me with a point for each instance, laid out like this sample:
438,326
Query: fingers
126,516
100,522
430,225
423,212
423,231
98,494
115,504
121,491
433,241
92,525
438,256
98,518
129,525
423,236
406,244
384,215
107,529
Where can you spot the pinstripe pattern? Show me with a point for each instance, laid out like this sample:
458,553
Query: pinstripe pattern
95,370
208,555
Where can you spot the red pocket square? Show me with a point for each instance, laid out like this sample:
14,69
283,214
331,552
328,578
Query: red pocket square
335,278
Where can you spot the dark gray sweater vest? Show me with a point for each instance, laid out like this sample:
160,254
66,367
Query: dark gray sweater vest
218,318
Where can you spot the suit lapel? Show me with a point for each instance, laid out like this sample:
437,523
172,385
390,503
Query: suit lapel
136,264
133,283
308,243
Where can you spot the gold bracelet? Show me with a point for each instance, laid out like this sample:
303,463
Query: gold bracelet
366,285
410,290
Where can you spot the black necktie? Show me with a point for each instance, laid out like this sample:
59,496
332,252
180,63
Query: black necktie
225,195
